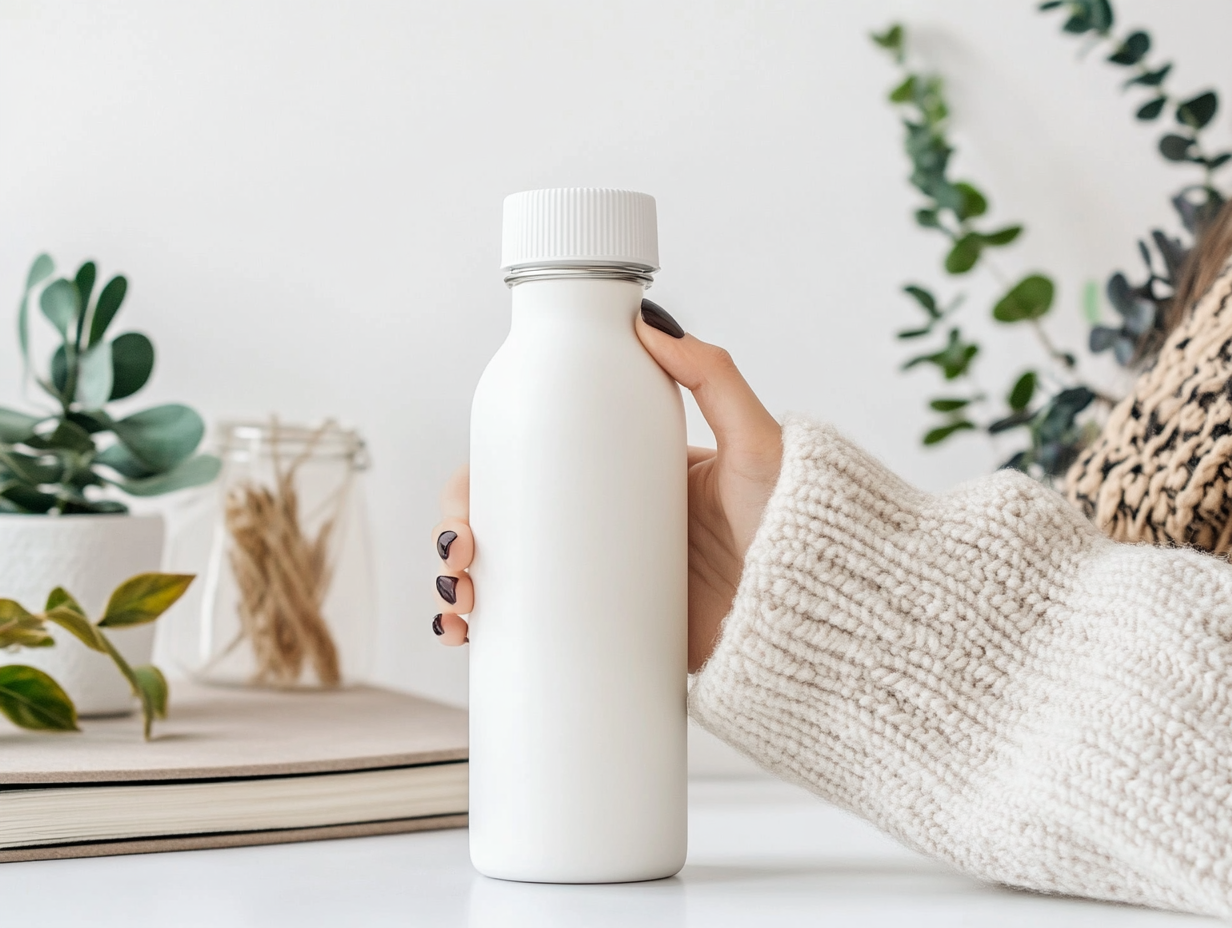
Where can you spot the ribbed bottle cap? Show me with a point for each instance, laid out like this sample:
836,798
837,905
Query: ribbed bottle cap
579,226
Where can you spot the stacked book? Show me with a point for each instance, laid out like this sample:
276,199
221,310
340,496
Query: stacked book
231,767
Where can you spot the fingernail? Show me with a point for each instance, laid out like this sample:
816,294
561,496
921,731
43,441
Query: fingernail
443,542
659,318
437,628
448,588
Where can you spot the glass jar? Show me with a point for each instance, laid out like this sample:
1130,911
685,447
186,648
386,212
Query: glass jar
289,591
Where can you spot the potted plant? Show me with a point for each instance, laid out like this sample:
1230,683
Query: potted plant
63,471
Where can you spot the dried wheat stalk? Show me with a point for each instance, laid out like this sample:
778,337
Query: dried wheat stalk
283,575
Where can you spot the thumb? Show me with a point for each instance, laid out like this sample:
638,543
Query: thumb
736,416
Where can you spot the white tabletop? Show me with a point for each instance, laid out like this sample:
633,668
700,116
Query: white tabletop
760,853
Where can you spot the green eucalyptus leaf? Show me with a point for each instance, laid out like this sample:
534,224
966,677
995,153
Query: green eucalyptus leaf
16,427
948,405
964,254
972,203
196,471
1022,392
94,376
1198,111
108,305
924,298
40,270
1030,298
132,357
61,304
1150,78
59,372
1151,109
1002,236
143,598
942,432
1132,50
163,436
1175,147
31,699
904,92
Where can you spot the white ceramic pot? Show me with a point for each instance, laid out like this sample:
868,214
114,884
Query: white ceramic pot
88,555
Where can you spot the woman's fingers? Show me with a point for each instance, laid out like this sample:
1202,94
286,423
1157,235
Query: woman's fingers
450,628
454,594
454,543
456,496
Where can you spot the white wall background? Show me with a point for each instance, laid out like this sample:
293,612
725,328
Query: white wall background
306,199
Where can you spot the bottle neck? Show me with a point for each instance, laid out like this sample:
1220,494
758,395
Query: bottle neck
638,273
575,303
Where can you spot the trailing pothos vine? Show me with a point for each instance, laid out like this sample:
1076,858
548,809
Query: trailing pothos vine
1044,406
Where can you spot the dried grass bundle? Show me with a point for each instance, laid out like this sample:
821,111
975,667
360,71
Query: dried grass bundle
283,575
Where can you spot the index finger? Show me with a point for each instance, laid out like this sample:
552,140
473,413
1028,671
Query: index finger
456,496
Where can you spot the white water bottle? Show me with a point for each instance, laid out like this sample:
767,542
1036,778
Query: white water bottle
579,509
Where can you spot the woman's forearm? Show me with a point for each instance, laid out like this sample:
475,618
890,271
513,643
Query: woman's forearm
985,676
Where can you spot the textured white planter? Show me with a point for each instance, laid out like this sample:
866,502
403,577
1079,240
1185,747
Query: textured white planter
88,555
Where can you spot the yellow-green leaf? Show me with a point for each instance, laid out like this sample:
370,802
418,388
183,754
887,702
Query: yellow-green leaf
153,687
31,699
75,622
144,598
62,597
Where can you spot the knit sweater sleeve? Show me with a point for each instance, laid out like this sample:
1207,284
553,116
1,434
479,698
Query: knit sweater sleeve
986,677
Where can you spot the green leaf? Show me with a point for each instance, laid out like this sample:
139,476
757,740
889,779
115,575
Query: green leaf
1175,147
948,405
1050,5
61,304
30,469
68,435
1090,303
891,40
60,597
143,599
1030,298
85,286
914,333
120,459
94,376
1023,391
1218,161
1151,109
108,305
196,471
153,690
132,356
40,270
1150,78
31,699
161,437
74,621
927,219
964,254
1020,418
924,298
16,427
1001,236
942,432
971,202
1198,111
953,360
1132,50
904,92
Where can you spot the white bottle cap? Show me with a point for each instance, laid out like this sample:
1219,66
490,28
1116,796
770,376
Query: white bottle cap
572,226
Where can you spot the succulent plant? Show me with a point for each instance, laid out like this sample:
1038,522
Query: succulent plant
71,457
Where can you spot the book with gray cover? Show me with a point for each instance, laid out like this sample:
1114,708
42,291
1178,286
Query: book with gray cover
231,767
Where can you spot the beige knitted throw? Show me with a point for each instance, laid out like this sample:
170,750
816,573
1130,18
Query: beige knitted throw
986,676
1160,472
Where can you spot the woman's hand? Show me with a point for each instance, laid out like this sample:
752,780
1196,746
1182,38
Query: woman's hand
728,489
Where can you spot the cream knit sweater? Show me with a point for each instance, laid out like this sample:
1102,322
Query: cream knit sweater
986,677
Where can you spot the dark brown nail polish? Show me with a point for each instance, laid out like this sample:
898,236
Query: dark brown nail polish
437,628
448,588
659,318
443,542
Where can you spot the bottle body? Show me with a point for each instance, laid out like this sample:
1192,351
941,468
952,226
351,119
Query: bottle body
578,638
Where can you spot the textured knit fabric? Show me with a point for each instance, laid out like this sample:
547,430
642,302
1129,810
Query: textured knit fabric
1161,470
985,676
